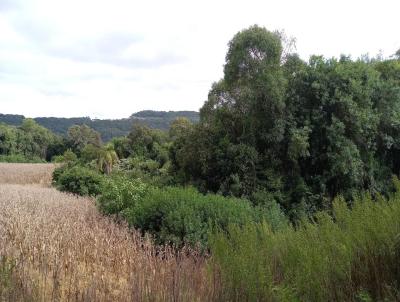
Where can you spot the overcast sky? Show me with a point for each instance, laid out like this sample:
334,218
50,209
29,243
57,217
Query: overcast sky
108,59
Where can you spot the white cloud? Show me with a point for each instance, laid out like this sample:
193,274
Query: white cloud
112,58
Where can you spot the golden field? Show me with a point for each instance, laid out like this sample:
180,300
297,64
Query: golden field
26,173
57,247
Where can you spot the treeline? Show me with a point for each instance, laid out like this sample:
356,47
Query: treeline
107,128
277,128
29,142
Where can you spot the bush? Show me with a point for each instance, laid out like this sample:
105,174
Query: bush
175,215
78,180
67,157
120,193
58,172
19,158
351,255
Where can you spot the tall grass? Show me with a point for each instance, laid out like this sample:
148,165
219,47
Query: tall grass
57,247
351,255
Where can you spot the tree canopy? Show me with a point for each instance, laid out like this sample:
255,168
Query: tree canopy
301,132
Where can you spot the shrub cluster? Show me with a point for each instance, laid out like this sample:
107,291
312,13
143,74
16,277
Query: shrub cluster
351,255
120,193
78,180
177,215
19,158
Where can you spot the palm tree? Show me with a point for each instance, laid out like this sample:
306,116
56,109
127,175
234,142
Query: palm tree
106,159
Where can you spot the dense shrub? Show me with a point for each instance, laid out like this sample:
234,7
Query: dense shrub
184,216
352,255
120,193
57,173
177,215
67,157
78,180
19,158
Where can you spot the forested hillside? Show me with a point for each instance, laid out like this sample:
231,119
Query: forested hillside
107,128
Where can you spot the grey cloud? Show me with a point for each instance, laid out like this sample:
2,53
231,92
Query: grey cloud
106,49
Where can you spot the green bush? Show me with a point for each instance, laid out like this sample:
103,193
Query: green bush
351,255
78,180
19,158
175,215
120,193
67,157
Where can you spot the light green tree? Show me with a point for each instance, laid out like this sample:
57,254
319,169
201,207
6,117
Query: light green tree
107,158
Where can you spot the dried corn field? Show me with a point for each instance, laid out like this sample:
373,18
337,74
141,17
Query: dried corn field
57,247
26,173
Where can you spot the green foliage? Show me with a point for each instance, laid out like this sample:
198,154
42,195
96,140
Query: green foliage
107,158
120,193
89,153
79,180
82,135
177,215
28,143
251,53
67,157
58,172
19,158
351,255
303,131
121,146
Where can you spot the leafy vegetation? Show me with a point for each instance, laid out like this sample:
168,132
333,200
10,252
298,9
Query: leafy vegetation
302,131
78,180
29,142
179,215
346,256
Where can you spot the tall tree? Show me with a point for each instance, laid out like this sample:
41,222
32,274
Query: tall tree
82,135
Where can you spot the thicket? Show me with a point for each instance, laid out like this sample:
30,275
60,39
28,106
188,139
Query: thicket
19,158
180,216
351,254
79,180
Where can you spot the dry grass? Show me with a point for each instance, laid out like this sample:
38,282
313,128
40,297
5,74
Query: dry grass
59,248
26,173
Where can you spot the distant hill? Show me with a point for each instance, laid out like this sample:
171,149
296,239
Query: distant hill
107,128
